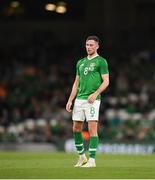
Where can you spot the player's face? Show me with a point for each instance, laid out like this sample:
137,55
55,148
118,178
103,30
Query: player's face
91,47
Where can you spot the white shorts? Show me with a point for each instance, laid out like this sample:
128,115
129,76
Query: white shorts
84,110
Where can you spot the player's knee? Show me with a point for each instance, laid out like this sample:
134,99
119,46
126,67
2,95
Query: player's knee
92,132
76,128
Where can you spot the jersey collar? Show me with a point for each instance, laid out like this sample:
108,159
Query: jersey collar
92,57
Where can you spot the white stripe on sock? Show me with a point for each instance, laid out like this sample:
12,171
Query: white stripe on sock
77,145
92,149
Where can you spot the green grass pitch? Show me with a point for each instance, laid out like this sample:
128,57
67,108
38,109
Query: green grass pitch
60,165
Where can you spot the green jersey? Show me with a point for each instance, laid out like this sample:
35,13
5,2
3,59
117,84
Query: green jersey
89,72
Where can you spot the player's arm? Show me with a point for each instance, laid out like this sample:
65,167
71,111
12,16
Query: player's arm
73,93
102,87
104,84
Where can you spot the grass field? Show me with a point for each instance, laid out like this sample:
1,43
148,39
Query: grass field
60,165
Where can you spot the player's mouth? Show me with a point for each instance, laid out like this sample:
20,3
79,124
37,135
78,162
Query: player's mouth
89,51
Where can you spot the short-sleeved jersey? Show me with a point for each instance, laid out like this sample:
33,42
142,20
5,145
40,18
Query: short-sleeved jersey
89,72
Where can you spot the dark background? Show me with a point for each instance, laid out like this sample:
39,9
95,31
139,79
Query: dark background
38,53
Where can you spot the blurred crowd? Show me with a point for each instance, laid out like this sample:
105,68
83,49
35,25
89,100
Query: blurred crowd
36,80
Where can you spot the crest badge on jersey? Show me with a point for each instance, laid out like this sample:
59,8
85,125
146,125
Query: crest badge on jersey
91,67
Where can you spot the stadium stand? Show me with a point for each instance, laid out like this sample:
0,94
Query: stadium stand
35,81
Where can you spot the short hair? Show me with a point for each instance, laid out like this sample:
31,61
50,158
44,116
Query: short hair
95,38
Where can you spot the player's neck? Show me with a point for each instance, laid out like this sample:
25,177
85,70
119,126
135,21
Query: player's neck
92,56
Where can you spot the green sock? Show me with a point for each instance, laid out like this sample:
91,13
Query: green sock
79,142
93,146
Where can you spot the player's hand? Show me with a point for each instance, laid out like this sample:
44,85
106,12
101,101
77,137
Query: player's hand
92,97
68,106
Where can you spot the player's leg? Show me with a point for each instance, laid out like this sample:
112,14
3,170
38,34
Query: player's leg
92,113
93,144
78,119
77,131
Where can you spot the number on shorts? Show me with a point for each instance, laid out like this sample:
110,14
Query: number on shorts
92,111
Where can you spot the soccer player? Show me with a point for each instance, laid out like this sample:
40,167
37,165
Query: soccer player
92,78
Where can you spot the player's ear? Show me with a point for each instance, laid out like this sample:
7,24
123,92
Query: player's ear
98,46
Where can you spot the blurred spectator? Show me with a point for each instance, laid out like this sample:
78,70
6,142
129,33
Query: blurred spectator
35,84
